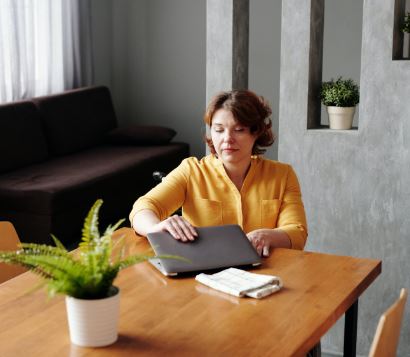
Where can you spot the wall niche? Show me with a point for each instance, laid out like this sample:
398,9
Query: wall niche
401,40
334,51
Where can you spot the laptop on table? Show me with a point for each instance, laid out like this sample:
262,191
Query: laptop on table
216,247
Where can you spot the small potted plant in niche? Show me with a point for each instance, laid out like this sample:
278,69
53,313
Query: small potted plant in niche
86,278
340,98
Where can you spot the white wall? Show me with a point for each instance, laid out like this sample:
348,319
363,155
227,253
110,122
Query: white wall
175,72
129,58
102,33
152,56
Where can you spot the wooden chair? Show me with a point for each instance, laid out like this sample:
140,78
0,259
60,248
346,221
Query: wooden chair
9,240
386,338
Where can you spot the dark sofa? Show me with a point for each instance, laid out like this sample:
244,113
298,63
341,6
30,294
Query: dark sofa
60,153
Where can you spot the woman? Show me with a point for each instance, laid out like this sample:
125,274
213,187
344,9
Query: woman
232,185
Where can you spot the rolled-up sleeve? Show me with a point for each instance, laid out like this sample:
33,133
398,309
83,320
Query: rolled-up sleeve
292,218
167,196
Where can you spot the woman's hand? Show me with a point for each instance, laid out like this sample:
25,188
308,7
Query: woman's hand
263,240
146,221
178,227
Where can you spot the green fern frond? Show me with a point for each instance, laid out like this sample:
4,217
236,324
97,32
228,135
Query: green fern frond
134,259
105,252
42,249
58,243
57,267
119,248
90,230
46,266
110,229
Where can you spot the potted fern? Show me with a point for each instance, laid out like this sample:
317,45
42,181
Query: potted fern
340,98
86,278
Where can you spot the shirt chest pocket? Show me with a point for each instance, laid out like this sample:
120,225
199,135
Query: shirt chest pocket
269,213
207,212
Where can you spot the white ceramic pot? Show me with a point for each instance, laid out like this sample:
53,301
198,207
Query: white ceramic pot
93,323
406,45
340,117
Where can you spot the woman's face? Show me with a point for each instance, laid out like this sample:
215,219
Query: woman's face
233,142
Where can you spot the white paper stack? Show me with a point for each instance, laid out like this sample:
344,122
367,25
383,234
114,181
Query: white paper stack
240,283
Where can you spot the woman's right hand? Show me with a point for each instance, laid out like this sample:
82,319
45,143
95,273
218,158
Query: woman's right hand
178,227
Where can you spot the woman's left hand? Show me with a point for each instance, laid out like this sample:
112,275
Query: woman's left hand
265,239
260,240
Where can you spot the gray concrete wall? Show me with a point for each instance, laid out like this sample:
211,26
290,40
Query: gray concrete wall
264,57
227,45
355,183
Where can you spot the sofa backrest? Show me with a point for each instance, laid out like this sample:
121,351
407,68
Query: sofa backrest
22,140
76,119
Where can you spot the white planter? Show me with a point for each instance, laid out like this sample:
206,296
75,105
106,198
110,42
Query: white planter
406,45
93,323
340,117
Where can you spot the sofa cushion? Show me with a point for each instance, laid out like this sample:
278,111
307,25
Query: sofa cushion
22,140
77,119
141,135
60,183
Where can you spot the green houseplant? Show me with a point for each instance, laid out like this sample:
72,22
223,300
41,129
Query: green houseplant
340,98
406,36
86,278
406,24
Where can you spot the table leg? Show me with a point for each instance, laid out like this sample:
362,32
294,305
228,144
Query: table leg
349,348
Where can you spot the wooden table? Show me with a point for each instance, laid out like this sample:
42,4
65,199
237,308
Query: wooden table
179,316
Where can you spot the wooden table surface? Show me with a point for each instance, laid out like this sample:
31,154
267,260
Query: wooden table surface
179,316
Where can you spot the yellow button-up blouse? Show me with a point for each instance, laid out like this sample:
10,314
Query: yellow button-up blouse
270,197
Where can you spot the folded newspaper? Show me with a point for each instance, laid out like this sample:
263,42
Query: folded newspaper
240,283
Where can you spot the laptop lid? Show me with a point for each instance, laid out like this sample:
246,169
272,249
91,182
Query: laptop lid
215,247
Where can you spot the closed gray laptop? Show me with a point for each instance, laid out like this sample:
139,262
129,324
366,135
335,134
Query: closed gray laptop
215,247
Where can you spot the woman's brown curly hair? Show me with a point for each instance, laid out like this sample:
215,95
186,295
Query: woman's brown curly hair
250,110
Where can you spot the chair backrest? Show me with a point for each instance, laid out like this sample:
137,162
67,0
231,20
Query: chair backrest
386,338
9,240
